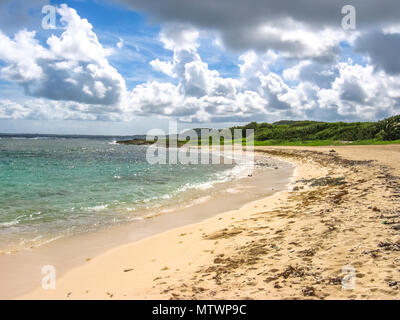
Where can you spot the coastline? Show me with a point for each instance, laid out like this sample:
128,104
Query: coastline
21,271
341,212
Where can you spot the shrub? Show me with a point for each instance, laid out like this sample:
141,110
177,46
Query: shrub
389,129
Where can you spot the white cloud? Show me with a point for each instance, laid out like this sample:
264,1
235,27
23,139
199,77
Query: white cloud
179,37
21,55
361,93
44,109
165,67
296,29
293,73
120,43
71,78
74,67
12,110
382,49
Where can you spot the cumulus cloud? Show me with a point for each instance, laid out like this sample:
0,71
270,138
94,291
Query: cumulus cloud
165,67
361,93
204,95
311,71
22,55
290,66
201,93
303,29
308,89
179,36
382,48
74,66
227,13
44,109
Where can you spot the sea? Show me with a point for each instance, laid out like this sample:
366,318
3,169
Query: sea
57,186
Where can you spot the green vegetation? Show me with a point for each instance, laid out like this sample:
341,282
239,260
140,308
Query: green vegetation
321,142
304,133
313,133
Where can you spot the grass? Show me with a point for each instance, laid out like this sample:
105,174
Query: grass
306,133
272,142
316,133
308,143
323,142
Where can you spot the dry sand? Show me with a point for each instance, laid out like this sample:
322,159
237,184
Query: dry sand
343,210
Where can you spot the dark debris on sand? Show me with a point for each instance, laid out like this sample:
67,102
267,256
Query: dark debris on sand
325,181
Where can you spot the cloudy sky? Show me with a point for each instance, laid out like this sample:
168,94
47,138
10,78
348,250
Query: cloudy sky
126,66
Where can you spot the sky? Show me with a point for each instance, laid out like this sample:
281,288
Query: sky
123,67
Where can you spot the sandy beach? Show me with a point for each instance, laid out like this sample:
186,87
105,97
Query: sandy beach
342,210
21,269
200,150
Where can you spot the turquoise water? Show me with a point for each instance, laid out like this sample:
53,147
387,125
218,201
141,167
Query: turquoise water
55,187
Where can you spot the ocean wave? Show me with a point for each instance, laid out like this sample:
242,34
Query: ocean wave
155,196
9,223
95,208
29,138
226,176
22,218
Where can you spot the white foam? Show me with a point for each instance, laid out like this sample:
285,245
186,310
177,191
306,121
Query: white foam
95,208
9,224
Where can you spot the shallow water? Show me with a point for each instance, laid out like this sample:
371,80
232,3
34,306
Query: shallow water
55,187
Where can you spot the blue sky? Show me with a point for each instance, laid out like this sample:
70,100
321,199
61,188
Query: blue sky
134,65
111,23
